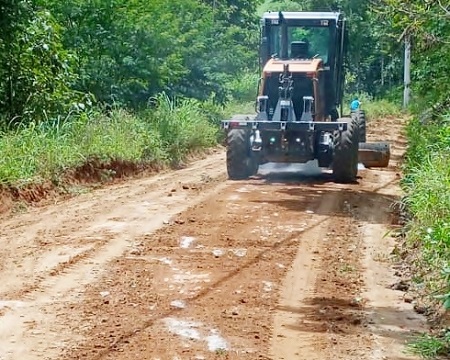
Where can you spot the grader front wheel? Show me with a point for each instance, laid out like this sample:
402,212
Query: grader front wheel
240,162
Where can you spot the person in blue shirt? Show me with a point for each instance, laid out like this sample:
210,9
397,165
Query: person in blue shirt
355,104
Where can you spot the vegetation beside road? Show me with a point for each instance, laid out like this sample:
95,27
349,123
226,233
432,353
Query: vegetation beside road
146,82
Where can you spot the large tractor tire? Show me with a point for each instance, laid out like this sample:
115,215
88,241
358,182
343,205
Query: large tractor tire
362,126
361,115
346,145
240,162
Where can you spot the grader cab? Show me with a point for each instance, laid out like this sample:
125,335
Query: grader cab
299,107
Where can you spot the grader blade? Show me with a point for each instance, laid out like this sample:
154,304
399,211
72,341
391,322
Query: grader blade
374,154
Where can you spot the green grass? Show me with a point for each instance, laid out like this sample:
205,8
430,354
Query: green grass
375,108
427,185
162,135
431,347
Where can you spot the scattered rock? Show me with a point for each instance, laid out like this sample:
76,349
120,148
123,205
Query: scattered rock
357,301
217,253
104,293
408,299
420,309
402,285
179,304
186,241
135,252
239,252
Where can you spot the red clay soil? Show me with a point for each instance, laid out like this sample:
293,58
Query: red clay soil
188,265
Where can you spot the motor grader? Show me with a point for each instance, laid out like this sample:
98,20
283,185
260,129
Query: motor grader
299,108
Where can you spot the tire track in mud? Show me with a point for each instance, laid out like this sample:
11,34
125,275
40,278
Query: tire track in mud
49,256
280,266
336,302
322,310
230,305
245,256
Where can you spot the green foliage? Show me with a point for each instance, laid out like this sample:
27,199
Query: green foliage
130,50
35,71
426,22
42,151
375,108
280,5
243,88
427,185
431,347
54,54
182,125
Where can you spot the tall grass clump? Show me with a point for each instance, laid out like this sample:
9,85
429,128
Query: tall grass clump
375,108
427,185
183,126
161,135
244,87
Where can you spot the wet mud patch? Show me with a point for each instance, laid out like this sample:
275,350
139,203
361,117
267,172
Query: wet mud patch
328,315
205,285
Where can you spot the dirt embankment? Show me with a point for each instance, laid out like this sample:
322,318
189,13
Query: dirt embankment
187,265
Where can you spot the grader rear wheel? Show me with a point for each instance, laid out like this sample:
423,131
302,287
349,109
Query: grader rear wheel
361,116
345,161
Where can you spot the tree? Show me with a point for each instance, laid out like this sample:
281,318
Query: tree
35,71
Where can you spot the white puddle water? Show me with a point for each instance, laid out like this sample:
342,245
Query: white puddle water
243,190
180,304
267,286
217,252
239,252
234,197
12,304
186,329
188,277
216,342
196,331
164,260
186,241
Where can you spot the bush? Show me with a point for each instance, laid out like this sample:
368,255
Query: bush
375,108
427,185
163,135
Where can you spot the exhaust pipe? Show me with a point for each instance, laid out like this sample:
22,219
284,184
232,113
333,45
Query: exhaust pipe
374,154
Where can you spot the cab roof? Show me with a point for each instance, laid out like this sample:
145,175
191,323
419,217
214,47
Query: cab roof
300,15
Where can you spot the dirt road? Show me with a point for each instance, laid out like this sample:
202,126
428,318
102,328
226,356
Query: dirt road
188,265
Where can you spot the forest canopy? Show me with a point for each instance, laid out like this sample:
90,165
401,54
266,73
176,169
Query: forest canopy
58,56
55,53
